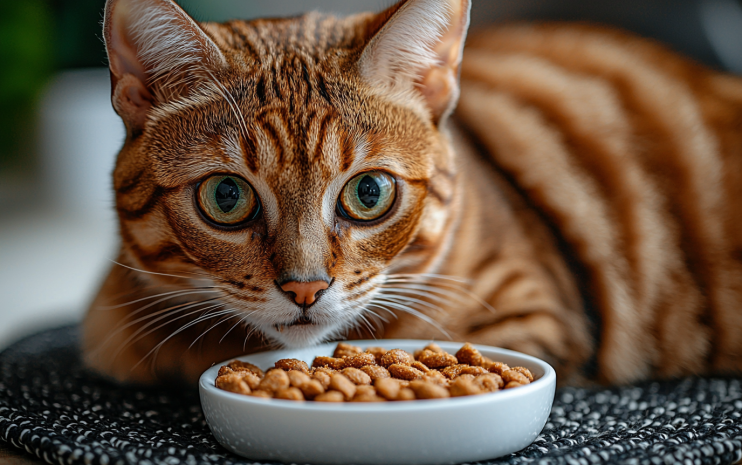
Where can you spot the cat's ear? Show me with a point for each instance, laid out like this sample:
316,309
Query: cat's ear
156,52
418,48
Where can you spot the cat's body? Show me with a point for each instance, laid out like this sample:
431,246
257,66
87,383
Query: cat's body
589,187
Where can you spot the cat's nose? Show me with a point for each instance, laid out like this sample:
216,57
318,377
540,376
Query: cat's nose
304,293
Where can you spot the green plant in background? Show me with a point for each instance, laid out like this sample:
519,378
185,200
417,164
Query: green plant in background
37,38
27,61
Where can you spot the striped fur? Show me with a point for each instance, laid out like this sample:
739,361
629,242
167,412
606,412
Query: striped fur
589,187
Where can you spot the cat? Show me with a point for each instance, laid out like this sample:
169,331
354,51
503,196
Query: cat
568,191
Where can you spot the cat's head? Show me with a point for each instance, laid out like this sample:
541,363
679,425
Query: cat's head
293,164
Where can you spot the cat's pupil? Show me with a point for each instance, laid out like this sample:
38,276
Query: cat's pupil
369,192
227,194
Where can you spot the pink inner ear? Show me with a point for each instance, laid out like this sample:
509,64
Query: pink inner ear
122,52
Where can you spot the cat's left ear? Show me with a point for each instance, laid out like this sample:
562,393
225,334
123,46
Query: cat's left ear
419,49
156,54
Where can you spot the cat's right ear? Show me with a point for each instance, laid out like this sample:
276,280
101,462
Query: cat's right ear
156,52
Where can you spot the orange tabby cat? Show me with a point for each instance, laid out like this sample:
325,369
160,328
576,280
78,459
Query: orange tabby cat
287,181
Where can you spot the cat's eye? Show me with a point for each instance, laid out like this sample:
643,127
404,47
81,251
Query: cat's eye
367,197
227,200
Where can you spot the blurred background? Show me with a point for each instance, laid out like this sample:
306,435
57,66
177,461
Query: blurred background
59,135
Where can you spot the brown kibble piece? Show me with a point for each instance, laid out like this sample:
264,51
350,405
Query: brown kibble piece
334,363
426,390
464,387
405,372
437,359
436,377
486,363
513,384
330,396
343,384
224,370
368,398
367,394
453,371
433,347
237,365
291,393
344,349
469,355
377,352
357,376
364,390
490,382
376,372
250,378
525,372
323,378
420,366
406,394
292,364
274,380
396,357
476,371
232,382
387,387
498,368
297,378
512,376
262,394
328,370
360,360
312,389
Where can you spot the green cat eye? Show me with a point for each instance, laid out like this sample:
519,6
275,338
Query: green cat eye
227,200
368,196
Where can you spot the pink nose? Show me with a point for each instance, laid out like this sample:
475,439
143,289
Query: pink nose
305,292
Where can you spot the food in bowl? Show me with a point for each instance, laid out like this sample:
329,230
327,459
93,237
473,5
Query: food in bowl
375,375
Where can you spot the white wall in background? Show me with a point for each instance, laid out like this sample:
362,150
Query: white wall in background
222,10
79,136
55,247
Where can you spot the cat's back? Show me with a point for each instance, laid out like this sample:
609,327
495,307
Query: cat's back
633,155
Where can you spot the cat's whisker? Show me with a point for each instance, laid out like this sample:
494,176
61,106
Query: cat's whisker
376,315
160,274
368,325
231,313
240,321
206,314
430,276
405,299
443,299
157,302
137,335
169,310
432,288
394,315
155,350
172,294
416,313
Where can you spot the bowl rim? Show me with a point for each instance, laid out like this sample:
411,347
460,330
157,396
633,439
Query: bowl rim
207,386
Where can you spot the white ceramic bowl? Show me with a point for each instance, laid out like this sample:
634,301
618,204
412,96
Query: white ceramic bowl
464,429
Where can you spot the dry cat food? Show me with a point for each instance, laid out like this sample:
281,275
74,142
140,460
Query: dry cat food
375,375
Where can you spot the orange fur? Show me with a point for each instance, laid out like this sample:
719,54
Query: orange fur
585,188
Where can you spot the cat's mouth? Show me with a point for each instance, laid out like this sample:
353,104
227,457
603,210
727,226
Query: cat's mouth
301,321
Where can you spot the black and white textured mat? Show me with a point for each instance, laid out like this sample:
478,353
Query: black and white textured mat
54,409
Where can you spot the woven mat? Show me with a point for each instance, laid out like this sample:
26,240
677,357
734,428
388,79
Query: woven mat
53,408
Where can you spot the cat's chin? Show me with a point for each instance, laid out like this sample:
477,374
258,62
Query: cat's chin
299,336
